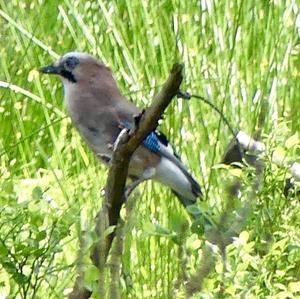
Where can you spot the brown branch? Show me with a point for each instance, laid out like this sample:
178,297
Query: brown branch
109,215
118,171
117,248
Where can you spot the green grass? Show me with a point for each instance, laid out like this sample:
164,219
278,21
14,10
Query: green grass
242,55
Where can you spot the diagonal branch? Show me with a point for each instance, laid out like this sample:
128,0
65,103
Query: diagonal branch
146,123
109,215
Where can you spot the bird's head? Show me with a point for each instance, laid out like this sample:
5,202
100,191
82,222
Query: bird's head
73,67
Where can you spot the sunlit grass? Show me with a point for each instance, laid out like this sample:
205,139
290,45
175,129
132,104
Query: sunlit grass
241,55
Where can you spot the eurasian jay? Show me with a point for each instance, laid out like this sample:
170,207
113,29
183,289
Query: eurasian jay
99,112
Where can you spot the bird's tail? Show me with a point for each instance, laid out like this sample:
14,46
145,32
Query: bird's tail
172,173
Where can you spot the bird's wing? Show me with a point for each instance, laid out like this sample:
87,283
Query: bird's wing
158,143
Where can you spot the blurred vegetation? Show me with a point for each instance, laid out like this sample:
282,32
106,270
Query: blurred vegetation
242,55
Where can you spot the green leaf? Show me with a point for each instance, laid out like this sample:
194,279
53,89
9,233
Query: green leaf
280,286
36,219
3,250
91,273
19,247
41,235
294,287
162,231
244,237
198,226
193,242
27,251
149,228
156,230
178,222
109,230
20,278
9,267
39,252
37,193
292,141
279,244
237,172
194,210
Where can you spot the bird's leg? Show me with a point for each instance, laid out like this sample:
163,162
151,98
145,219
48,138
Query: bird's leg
129,188
147,174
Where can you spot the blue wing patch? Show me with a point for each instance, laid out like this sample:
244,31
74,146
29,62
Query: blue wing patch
151,141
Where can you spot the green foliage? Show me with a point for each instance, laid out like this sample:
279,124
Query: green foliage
242,55
32,234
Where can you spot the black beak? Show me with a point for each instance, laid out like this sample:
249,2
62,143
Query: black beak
50,69
58,70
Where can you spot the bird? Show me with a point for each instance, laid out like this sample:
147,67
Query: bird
99,111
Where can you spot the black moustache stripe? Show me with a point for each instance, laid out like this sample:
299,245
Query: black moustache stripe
68,75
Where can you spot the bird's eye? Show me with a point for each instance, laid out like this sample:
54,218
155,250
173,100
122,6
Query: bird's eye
71,63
